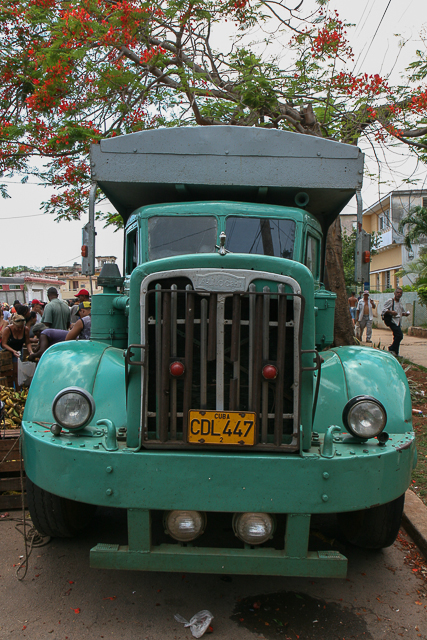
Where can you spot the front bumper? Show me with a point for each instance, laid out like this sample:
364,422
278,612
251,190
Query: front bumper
358,476
80,468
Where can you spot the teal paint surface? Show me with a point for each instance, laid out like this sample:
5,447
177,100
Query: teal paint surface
165,557
109,323
89,365
215,481
348,372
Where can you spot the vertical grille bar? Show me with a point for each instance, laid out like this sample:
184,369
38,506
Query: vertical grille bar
257,359
166,354
233,403
220,335
235,353
281,342
158,340
174,353
203,353
235,329
252,299
212,328
188,379
265,356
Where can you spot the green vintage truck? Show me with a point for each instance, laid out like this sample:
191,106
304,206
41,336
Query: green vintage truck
208,402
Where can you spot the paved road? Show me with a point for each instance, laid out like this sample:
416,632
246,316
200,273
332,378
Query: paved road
63,599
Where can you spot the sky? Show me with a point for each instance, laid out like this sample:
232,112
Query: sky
29,237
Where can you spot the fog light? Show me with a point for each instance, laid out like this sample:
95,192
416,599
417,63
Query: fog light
184,526
253,528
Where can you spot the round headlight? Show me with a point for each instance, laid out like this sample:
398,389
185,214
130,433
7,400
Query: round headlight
364,417
253,528
73,408
184,526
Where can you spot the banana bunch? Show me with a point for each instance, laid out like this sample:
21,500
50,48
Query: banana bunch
14,406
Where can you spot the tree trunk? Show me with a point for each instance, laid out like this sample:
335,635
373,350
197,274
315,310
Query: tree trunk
343,326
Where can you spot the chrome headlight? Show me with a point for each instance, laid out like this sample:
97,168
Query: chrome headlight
73,408
364,417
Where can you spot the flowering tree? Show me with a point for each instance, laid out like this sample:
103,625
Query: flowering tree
76,71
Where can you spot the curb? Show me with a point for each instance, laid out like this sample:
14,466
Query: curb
417,332
414,520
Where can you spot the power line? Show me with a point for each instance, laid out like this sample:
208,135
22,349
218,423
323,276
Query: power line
33,215
376,31
360,26
66,261
40,184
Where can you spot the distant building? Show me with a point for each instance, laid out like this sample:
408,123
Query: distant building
12,289
383,218
37,286
27,286
348,222
73,278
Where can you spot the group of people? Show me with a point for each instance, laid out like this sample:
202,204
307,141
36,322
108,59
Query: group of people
39,326
361,310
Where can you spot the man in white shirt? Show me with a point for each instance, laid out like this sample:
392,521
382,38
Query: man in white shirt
365,316
395,310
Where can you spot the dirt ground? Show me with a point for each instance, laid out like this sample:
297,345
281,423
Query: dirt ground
412,348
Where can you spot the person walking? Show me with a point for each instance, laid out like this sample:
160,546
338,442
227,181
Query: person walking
352,303
392,314
365,316
57,312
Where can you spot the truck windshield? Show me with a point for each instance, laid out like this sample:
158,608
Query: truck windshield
265,236
178,235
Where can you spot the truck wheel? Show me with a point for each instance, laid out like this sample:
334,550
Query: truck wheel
373,528
54,516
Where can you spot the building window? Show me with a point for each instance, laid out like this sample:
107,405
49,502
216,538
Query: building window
378,287
75,284
425,203
384,220
397,281
387,279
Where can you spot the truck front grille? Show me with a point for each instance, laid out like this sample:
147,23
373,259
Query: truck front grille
223,339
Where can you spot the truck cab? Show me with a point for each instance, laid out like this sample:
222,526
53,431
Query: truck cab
209,401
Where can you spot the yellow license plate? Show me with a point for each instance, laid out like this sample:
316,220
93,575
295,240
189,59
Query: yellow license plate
221,427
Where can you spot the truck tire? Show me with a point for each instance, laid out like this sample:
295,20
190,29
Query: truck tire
54,516
373,528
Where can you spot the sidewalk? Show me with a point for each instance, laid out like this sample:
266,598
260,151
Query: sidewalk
412,348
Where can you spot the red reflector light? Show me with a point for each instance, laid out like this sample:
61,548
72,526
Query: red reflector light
269,371
85,251
176,369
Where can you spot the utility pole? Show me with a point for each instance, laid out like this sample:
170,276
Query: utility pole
362,258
